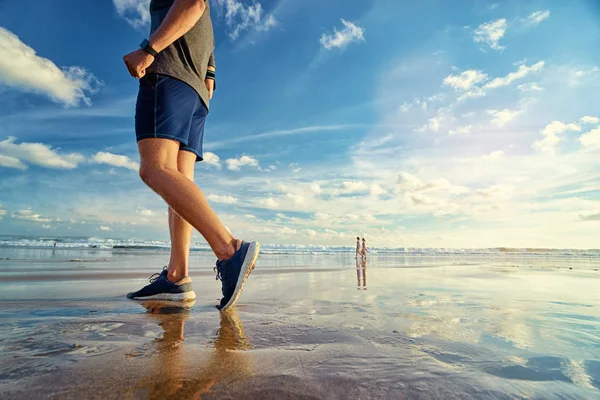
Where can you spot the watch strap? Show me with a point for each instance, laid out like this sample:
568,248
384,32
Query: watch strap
147,47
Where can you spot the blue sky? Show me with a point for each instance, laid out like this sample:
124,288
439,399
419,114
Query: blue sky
429,124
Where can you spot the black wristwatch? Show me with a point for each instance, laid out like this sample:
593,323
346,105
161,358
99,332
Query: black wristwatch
147,47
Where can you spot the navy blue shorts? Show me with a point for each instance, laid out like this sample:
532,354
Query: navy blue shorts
171,109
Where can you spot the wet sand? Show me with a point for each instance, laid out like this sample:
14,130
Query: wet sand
305,328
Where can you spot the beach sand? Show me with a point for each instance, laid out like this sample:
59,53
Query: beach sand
306,327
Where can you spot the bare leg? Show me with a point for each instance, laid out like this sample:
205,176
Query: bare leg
179,229
159,171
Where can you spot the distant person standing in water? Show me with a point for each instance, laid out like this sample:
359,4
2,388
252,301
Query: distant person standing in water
176,69
358,247
364,249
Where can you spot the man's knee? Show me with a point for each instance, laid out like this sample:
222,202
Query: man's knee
149,174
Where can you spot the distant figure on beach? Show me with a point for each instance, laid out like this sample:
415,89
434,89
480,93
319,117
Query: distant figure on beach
176,71
358,248
364,249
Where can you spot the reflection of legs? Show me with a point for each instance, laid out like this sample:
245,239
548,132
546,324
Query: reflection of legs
169,367
179,229
364,273
363,267
225,366
159,171
172,377
358,263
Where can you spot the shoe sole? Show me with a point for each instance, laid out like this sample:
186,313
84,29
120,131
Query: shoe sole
247,267
191,295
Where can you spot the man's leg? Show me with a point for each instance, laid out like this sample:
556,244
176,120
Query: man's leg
159,171
179,229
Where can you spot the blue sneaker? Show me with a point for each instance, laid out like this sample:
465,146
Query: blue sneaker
234,272
160,288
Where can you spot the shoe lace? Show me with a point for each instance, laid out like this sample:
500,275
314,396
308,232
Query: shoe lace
155,276
219,268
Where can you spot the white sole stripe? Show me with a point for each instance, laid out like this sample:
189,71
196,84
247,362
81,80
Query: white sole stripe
169,296
247,267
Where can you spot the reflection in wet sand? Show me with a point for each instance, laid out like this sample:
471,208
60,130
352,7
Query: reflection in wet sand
176,376
361,273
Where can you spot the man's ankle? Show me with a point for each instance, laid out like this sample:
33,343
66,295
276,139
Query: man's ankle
174,276
230,250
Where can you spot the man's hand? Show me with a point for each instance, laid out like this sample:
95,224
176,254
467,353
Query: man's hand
137,62
210,85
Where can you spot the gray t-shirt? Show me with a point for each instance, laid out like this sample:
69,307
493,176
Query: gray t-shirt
188,57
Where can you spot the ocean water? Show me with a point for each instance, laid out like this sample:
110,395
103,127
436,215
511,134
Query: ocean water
40,242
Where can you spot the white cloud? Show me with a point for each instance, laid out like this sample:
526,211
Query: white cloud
38,154
115,160
11,162
491,33
22,68
322,216
444,116
522,72
221,199
551,136
145,212
433,124
537,17
502,117
136,12
466,80
351,187
294,167
530,87
28,215
270,168
494,155
377,190
269,202
286,231
340,39
591,139
211,159
296,198
472,94
240,17
311,233
496,192
411,184
104,228
234,164
589,120
461,130
315,188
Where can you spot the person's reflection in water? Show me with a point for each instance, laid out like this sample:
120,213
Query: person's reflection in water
361,272
180,377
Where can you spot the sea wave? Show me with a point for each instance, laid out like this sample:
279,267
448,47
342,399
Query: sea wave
308,250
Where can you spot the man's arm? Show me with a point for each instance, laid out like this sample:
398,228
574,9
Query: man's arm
182,16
